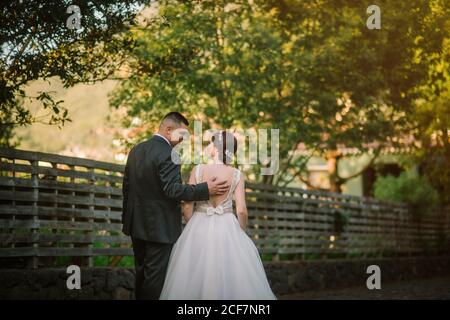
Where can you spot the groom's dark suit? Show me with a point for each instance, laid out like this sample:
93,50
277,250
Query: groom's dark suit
152,191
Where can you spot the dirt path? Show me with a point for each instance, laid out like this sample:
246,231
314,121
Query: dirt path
433,288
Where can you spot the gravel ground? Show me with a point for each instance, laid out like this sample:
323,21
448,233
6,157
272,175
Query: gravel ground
423,289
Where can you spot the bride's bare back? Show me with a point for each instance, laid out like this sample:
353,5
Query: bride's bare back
222,173
233,178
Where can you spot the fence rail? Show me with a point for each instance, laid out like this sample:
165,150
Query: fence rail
56,206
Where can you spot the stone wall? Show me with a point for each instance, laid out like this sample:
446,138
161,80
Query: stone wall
285,277
291,277
96,283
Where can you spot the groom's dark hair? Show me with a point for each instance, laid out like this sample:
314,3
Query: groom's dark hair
176,117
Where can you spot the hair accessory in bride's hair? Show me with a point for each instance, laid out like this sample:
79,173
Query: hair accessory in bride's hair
229,154
226,145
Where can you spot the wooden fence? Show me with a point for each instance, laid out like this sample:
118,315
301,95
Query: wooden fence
291,221
56,207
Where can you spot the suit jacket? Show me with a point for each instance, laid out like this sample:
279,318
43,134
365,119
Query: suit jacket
152,191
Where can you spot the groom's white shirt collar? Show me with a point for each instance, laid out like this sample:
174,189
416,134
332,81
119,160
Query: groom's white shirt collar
157,134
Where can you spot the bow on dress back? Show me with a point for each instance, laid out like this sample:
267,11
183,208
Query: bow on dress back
226,205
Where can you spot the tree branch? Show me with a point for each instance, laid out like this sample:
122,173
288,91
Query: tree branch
298,171
21,51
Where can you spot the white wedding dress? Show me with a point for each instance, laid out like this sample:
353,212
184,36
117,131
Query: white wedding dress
214,259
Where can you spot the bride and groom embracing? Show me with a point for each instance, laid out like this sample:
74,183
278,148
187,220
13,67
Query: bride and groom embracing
213,258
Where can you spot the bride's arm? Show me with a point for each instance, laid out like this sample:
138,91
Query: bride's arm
241,206
188,206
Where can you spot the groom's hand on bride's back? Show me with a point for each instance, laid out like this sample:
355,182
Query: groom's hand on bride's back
216,187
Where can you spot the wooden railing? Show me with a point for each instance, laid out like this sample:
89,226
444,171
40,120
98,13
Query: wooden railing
291,221
55,206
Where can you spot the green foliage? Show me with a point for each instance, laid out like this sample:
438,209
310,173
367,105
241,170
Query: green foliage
6,134
432,119
341,219
311,69
417,192
36,43
103,261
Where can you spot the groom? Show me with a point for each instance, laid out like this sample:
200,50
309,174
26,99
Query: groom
152,191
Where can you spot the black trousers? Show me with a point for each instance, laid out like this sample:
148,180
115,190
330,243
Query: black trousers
151,260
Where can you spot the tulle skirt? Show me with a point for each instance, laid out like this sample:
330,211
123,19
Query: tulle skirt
214,259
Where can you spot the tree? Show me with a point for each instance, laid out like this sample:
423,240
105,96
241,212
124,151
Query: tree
431,118
310,68
36,42
363,83
216,61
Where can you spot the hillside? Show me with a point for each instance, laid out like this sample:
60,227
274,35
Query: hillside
89,135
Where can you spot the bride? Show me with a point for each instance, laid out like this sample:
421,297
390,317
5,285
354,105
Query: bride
214,258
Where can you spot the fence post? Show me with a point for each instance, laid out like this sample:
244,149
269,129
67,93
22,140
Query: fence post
13,218
303,228
115,259
53,260
34,261
90,259
443,232
72,219
276,256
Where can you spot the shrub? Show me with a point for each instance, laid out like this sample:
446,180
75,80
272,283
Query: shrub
417,192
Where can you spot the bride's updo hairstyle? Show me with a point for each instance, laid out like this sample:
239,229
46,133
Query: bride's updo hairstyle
226,143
